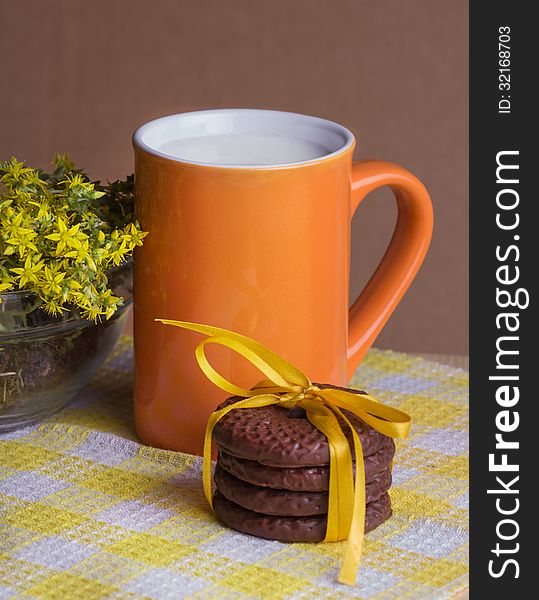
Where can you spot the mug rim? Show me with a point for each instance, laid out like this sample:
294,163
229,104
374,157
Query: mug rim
330,126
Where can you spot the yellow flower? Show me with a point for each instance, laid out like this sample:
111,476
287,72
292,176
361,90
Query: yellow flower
119,254
32,178
28,273
14,170
133,236
77,183
82,254
13,228
92,313
44,209
69,237
51,282
52,307
75,180
22,240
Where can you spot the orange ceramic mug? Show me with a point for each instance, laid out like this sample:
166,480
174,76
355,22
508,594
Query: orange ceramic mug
261,247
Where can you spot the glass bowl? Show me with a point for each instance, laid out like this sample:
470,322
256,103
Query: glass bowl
45,361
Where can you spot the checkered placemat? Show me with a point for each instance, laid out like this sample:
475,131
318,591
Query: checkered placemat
87,512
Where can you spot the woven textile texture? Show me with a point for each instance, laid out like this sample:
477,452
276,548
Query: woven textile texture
87,512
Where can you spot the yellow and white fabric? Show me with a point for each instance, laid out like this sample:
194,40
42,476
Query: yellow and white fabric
87,512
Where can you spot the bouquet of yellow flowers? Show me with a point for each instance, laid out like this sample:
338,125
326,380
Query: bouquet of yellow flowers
61,234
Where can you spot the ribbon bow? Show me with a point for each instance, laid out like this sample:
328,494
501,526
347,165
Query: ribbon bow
287,386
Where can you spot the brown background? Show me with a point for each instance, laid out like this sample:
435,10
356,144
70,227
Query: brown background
80,76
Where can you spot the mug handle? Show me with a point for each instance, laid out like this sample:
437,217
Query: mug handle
402,258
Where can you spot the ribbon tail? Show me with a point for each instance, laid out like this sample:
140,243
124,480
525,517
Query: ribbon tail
206,461
341,486
352,556
356,533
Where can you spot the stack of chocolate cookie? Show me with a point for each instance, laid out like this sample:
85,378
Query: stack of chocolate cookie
272,473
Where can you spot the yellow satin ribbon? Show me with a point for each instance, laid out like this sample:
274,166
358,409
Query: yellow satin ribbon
287,386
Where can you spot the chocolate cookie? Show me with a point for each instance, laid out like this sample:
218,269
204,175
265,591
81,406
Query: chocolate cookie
300,479
276,437
290,529
285,503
